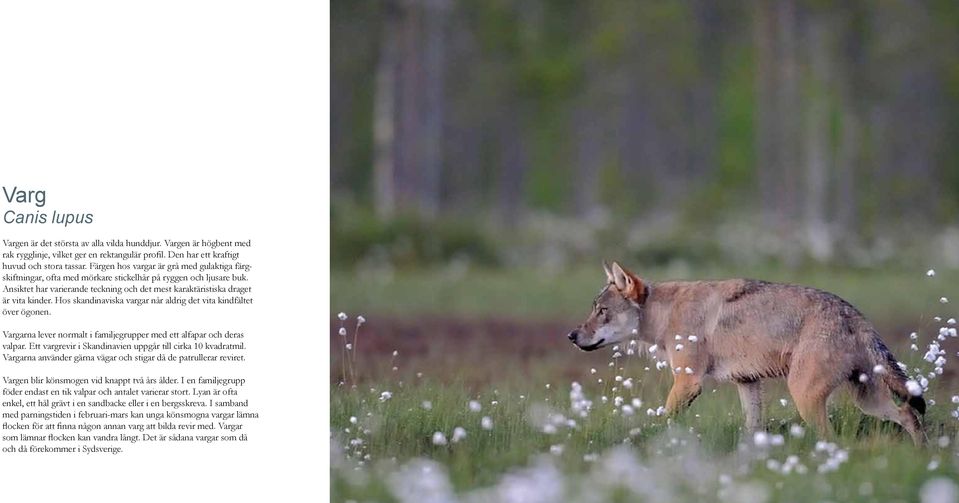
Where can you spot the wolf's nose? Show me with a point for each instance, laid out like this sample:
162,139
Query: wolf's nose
572,336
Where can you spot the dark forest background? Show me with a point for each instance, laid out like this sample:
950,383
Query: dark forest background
501,133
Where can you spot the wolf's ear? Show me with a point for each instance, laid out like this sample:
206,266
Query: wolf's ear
628,283
609,274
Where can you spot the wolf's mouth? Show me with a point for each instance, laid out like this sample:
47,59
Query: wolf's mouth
593,347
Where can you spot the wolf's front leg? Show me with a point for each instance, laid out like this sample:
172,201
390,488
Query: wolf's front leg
685,389
751,396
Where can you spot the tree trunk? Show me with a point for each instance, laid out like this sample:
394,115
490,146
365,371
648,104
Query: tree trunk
384,116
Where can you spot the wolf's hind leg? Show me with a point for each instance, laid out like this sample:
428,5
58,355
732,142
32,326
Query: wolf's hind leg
876,401
751,396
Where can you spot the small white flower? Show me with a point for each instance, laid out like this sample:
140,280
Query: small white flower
341,316
549,429
628,410
628,383
459,433
637,403
592,371
396,353
650,412
943,300
617,401
547,385
951,321
342,331
439,438
635,331
653,348
913,336
761,439
679,337
863,377
693,338
679,347
556,450
783,402
619,378
776,439
931,272
913,388
352,419
486,423
617,354
427,404
349,346
796,430
660,410
360,319
879,370
475,406
386,395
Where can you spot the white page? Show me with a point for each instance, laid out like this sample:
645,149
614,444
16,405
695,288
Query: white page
189,120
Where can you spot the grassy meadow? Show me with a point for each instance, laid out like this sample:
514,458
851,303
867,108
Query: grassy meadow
460,386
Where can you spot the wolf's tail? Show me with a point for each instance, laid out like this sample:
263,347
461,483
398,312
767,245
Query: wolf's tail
894,377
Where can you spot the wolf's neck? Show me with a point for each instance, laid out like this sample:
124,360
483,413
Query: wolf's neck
656,311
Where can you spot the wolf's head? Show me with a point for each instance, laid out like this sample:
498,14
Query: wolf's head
617,311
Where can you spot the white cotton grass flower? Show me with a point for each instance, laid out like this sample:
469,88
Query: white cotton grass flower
679,347
428,405
342,331
931,272
386,395
353,419
439,438
692,338
360,319
796,430
628,410
475,406
653,348
761,439
783,402
879,369
678,337
628,383
342,316
951,321
913,387
486,423
637,403
943,300
939,490
396,353
459,433
349,346
556,449
913,336
863,377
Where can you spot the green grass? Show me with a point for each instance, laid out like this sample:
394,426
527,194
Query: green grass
702,455
882,463
886,296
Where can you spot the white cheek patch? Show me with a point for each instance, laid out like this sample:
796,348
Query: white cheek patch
605,332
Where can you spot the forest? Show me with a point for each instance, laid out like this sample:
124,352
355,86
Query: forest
507,132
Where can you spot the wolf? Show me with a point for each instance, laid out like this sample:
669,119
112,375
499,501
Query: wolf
746,331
